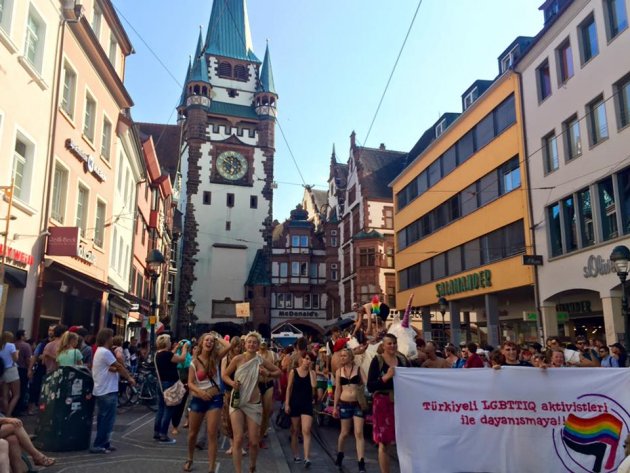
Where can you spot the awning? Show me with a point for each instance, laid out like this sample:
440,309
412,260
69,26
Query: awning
15,277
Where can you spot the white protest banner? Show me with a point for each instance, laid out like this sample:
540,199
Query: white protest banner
512,420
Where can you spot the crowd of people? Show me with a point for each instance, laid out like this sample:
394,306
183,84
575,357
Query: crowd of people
217,384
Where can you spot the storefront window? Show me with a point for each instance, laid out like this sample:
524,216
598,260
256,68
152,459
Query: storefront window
608,209
555,233
586,217
570,230
624,197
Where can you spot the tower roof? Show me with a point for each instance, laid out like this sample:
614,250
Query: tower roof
182,99
199,71
228,31
266,74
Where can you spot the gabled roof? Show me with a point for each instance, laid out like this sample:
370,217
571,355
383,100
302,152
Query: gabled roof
376,169
259,273
266,74
166,142
228,31
319,198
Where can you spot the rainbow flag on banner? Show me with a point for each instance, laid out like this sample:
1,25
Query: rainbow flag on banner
593,436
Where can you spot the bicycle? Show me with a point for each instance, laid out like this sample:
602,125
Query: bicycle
145,392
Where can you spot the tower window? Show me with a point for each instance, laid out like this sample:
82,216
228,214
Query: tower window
253,201
207,198
240,72
228,226
230,200
232,93
225,69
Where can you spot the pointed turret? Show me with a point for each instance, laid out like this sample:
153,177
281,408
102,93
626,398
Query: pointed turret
197,88
266,74
333,156
182,99
266,96
229,35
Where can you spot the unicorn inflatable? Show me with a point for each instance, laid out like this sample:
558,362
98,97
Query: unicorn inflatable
405,335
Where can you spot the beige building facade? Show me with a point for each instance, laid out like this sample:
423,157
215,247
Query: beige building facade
576,97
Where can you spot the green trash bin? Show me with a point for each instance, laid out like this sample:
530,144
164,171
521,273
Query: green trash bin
66,406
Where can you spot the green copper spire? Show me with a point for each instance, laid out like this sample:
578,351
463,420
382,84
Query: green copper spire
266,74
182,100
199,70
228,31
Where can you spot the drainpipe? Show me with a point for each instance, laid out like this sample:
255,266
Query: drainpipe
530,212
39,293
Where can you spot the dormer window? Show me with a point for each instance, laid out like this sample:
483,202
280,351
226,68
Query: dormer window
508,60
225,69
440,127
470,98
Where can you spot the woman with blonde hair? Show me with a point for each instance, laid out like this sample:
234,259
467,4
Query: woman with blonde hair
166,368
207,398
67,353
349,380
247,367
624,466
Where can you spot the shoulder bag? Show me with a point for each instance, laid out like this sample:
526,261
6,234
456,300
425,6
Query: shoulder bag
173,395
213,390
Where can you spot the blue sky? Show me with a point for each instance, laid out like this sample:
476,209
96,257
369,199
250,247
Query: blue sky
331,60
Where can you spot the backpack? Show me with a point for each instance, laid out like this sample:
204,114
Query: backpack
283,421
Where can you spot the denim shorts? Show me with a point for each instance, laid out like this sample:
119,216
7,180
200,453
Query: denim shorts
201,405
348,410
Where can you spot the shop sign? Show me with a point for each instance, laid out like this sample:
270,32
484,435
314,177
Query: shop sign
532,260
562,317
15,255
297,313
88,160
530,316
86,255
63,241
579,307
470,282
597,266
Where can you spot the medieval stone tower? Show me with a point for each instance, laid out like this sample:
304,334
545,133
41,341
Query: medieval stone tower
228,111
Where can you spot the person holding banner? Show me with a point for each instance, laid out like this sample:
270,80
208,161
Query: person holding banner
381,384
350,381
624,466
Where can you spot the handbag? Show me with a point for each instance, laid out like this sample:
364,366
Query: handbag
174,394
361,399
212,390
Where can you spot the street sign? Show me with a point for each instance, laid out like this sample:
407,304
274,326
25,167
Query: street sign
533,260
242,310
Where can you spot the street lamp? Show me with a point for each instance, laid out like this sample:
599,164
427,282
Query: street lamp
620,257
190,310
155,260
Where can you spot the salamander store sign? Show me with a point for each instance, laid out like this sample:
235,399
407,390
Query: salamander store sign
470,282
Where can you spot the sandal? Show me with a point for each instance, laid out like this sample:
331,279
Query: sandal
188,465
43,460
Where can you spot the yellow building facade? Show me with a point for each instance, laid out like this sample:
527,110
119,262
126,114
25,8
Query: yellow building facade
462,223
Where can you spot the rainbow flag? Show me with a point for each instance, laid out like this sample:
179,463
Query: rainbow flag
592,436
330,395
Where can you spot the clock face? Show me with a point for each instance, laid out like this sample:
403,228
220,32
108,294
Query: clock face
232,165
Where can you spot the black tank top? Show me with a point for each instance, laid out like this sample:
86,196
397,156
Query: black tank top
302,390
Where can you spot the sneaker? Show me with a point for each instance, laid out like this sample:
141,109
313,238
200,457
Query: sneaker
362,466
110,448
307,463
156,436
297,460
167,440
99,450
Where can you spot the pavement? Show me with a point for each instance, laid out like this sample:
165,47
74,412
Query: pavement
137,452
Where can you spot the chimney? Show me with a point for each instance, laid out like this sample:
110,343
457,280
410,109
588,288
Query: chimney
382,147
